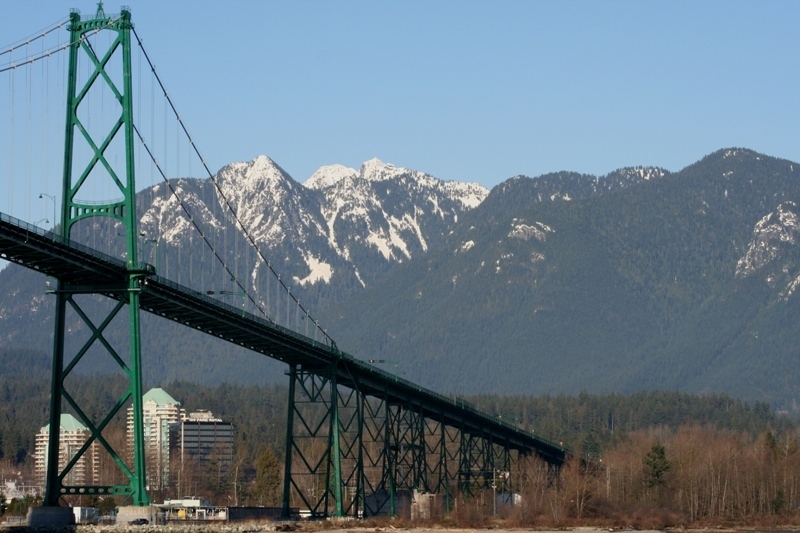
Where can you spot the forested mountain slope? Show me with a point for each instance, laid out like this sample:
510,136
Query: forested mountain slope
639,280
638,288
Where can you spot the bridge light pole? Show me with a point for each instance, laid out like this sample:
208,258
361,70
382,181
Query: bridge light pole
155,251
515,419
494,492
53,199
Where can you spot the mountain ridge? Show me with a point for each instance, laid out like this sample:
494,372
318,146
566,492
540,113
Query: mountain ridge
639,279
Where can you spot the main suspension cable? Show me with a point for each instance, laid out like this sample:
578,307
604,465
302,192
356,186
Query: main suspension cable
222,195
12,65
33,37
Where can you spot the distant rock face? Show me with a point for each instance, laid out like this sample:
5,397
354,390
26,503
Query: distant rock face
387,214
772,252
537,231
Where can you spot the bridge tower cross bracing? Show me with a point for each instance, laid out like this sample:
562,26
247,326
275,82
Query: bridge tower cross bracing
74,210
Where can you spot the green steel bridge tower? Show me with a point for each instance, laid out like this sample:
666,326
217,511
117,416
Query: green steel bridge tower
103,71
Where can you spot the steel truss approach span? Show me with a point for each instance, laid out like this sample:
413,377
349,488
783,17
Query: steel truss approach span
406,409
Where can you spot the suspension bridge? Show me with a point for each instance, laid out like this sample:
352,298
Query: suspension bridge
379,434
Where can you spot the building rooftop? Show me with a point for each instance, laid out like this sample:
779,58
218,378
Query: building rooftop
160,397
202,415
68,423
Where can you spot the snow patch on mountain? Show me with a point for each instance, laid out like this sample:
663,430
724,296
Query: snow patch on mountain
387,241
791,288
469,195
358,277
465,246
566,197
436,209
320,271
637,174
525,232
329,176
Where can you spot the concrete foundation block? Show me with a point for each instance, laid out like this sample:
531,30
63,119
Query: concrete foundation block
50,517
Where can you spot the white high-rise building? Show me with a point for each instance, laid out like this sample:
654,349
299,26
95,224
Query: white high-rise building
159,411
72,438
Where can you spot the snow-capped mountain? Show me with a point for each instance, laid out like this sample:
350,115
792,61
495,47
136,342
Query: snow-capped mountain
342,227
382,214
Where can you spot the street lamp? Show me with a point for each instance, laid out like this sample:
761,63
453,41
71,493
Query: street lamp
53,198
155,252
494,492
504,475
40,221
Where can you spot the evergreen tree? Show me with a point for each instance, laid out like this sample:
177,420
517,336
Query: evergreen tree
268,478
657,465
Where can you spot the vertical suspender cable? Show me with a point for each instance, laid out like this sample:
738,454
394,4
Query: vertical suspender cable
12,137
45,116
28,135
268,278
139,108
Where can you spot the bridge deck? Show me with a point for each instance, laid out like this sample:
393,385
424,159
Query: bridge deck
33,248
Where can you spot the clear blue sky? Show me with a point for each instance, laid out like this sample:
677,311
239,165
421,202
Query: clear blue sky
470,90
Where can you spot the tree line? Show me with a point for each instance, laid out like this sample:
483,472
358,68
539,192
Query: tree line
691,458
670,477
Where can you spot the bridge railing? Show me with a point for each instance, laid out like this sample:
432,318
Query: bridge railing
54,236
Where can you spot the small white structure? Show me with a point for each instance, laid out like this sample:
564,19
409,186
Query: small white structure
14,488
85,515
187,501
